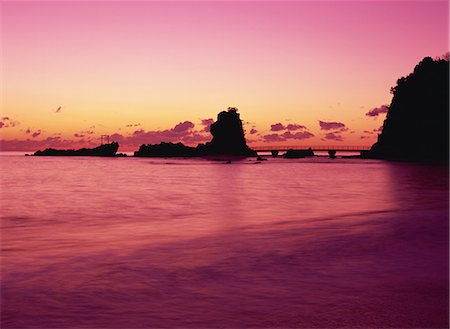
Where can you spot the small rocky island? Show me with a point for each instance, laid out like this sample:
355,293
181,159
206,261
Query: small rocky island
105,150
228,140
417,124
298,154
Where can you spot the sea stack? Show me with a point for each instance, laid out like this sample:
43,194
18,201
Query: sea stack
417,124
228,136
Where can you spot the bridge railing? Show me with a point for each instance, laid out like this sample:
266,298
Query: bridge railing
313,147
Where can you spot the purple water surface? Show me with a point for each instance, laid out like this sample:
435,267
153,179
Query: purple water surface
172,243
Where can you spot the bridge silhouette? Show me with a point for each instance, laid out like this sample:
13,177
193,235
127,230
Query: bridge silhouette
340,148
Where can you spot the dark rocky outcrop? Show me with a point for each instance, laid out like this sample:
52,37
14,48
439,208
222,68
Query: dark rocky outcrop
417,124
228,136
228,140
166,150
297,154
105,150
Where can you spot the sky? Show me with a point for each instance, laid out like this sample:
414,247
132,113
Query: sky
300,72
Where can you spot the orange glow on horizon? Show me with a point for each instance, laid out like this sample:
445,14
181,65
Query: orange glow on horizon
132,69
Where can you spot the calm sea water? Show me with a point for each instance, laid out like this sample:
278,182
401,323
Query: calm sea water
172,243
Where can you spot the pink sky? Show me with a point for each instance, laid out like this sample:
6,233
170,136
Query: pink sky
137,69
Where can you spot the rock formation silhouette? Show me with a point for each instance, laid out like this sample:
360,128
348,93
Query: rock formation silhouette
228,135
105,150
166,150
298,154
417,123
228,140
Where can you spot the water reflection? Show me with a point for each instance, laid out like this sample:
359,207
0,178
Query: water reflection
138,243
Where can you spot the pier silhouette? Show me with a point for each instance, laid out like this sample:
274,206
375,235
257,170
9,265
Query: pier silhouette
325,148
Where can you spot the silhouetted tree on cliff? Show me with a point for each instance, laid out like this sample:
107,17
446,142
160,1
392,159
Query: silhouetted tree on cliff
417,124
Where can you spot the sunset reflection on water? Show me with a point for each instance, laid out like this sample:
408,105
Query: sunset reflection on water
140,243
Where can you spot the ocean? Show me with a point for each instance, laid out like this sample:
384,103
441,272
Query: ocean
191,243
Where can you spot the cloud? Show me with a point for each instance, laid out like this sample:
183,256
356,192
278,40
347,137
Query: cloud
378,130
277,127
251,140
35,144
206,123
378,110
291,127
117,138
331,125
303,135
182,132
287,135
196,138
84,133
7,122
168,135
183,126
294,126
253,131
334,136
33,134
299,135
36,134
273,138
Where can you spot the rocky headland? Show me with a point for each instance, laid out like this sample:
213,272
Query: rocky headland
417,123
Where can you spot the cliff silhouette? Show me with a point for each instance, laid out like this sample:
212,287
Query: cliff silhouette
417,124
105,150
228,139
